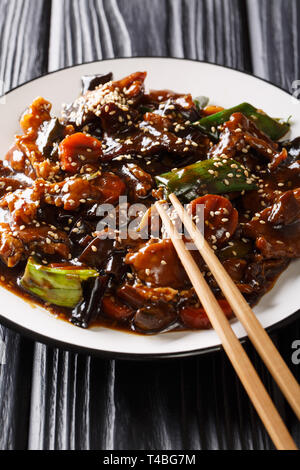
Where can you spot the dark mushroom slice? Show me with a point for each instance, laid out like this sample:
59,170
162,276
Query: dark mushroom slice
91,82
154,318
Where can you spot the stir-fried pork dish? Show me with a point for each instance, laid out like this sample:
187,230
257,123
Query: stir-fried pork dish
79,233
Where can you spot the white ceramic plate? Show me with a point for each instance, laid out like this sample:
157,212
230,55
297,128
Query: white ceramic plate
225,87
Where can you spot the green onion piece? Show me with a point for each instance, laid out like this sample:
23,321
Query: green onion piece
271,127
60,286
206,178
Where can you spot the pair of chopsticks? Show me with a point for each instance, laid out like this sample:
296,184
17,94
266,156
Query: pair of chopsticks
232,346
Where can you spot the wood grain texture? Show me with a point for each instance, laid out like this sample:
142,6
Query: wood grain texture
23,41
82,31
24,29
53,399
275,40
206,30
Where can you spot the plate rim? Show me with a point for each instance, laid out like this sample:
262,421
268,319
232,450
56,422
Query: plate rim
71,347
90,62
113,355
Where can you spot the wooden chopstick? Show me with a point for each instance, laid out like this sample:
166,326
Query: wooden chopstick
235,351
258,336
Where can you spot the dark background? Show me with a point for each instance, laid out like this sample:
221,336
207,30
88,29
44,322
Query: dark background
51,399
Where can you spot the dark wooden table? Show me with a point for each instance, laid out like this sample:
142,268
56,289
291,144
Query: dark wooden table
52,399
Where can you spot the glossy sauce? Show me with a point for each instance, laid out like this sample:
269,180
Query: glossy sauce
115,150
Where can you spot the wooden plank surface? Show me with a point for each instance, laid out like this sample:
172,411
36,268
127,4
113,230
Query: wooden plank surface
58,400
275,40
21,40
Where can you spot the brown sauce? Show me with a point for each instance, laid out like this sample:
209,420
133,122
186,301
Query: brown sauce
58,174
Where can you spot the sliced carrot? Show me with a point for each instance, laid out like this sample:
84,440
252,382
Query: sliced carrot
76,150
115,309
209,110
35,115
111,186
196,318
